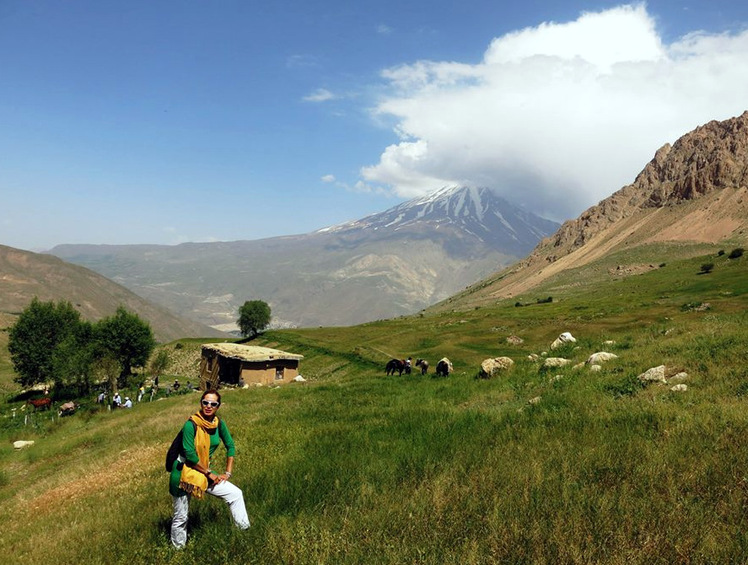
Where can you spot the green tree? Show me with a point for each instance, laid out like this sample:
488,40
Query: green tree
127,339
254,316
35,337
107,368
160,362
73,360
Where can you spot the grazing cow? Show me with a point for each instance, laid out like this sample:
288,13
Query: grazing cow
443,367
41,403
423,364
394,365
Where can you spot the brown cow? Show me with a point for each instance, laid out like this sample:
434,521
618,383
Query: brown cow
41,403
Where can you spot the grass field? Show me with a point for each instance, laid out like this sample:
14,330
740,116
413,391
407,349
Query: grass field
356,467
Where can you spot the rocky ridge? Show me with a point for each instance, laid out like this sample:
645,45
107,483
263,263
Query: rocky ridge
692,192
712,157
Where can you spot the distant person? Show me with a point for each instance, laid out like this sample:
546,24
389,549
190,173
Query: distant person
141,392
176,385
408,365
100,399
128,402
116,400
191,474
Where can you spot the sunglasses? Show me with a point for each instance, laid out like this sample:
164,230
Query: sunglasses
211,403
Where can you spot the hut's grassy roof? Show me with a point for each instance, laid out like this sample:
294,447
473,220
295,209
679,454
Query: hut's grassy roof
250,352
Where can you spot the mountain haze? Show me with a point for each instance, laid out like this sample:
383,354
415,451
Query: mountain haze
395,262
24,275
690,194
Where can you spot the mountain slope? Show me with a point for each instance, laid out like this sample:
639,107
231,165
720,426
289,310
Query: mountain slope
692,193
24,275
387,264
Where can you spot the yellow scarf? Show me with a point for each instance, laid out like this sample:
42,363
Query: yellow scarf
191,481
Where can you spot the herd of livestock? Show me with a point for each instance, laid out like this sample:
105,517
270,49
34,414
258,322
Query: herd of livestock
400,366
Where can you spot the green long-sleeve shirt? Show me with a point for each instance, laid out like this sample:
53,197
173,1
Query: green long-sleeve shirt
190,455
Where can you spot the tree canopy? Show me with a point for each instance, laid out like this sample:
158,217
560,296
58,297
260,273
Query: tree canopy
126,338
254,316
51,343
36,336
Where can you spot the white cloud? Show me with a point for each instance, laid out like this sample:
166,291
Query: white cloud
319,95
328,178
558,116
384,29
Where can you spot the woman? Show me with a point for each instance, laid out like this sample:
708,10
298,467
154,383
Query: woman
191,474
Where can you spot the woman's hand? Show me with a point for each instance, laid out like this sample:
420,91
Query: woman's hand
220,478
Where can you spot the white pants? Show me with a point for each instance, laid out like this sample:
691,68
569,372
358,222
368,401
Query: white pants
226,491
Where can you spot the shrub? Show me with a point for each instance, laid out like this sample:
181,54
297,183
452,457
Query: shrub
707,267
735,253
720,252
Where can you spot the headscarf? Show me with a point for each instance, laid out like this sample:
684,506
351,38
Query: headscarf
191,481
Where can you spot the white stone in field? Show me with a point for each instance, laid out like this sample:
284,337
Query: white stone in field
556,362
565,337
654,375
491,367
600,356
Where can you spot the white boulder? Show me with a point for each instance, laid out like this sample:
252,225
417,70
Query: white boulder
600,356
654,375
679,377
563,339
491,367
555,362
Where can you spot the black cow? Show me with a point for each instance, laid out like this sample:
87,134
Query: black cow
443,367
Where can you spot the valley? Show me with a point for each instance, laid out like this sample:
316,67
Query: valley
533,465
555,458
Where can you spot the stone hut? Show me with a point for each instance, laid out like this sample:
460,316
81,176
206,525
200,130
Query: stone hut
236,364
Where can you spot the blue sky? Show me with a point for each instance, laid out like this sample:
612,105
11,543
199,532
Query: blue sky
163,122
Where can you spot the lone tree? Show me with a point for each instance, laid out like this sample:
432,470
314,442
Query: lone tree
38,334
127,339
254,316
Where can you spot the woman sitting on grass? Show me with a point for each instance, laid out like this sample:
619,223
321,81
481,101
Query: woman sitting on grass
191,474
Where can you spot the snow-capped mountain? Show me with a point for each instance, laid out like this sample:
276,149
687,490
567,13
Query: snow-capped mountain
473,211
388,264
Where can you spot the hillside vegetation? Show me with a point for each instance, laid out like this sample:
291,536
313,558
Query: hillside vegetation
533,466
25,275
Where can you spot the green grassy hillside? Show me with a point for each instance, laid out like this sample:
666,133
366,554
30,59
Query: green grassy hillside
356,467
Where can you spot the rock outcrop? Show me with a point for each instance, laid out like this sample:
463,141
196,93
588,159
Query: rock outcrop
711,157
